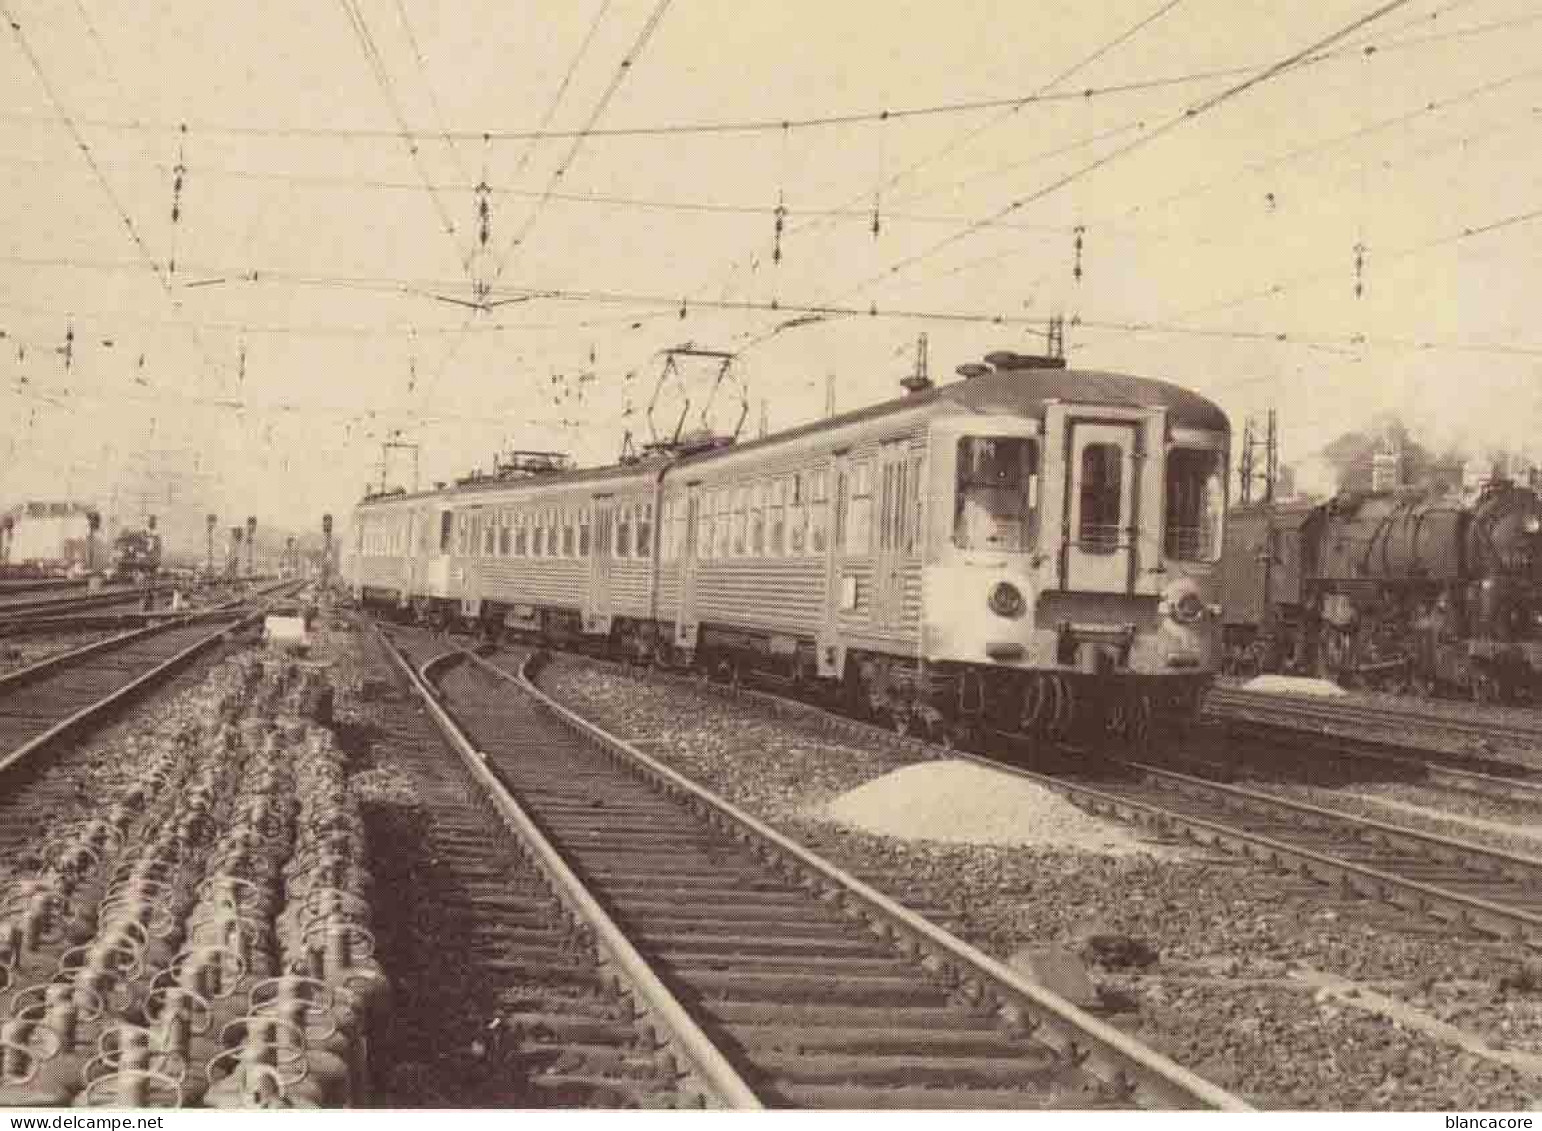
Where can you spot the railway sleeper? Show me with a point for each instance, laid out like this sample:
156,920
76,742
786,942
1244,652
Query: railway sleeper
794,987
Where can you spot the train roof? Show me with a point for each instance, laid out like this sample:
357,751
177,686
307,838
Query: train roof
1023,392
1017,392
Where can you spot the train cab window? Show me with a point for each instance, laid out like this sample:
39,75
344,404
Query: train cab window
1102,491
1196,502
644,530
997,496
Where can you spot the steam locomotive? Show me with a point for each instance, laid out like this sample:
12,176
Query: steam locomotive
136,555
1402,590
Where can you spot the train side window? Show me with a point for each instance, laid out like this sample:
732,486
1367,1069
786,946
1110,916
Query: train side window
819,511
462,522
538,534
776,522
489,534
741,520
757,546
583,532
644,530
505,534
724,523
1102,490
1196,504
913,527
682,535
569,535
624,530
857,521
521,534
703,524
797,515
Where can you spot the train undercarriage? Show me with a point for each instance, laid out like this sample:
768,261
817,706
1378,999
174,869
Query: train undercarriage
1412,645
946,702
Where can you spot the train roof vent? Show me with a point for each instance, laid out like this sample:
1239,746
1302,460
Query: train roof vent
1008,359
523,463
973,369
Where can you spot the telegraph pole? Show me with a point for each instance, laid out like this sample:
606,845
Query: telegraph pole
1271,458
1245,470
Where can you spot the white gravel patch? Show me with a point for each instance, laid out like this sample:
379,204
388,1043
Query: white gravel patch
959,802
1295,685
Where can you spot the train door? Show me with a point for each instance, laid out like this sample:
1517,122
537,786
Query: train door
597,607
840,588
1101,499
686,621
437,575
894,494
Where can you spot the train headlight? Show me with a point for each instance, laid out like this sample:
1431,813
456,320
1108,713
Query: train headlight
1183,603
1534,524
1006,600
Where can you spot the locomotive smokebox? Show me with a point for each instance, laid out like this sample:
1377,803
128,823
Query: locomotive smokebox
1394,537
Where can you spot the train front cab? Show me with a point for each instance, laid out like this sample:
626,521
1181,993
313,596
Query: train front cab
1071,581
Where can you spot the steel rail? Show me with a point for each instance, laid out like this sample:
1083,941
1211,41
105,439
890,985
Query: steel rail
1441,903
12,680
720,1079
1402,891
1225,702
1108,1054
10,610
1436,847
87,714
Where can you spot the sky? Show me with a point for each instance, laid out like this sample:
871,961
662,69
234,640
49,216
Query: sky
1334,233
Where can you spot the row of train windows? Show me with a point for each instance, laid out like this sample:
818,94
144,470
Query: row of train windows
624,530
786,516
790,515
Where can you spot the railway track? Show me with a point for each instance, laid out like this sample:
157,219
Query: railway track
53,699
813,989
1343,731
30,607
1465,884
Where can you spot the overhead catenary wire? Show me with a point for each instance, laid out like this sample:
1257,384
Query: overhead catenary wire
1190,114
372,57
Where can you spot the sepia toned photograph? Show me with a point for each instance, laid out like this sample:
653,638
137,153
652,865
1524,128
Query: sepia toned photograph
651,554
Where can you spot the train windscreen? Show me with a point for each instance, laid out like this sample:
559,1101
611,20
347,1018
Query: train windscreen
997,497
1196,504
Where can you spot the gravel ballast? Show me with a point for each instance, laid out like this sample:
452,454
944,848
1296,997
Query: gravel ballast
1207,957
